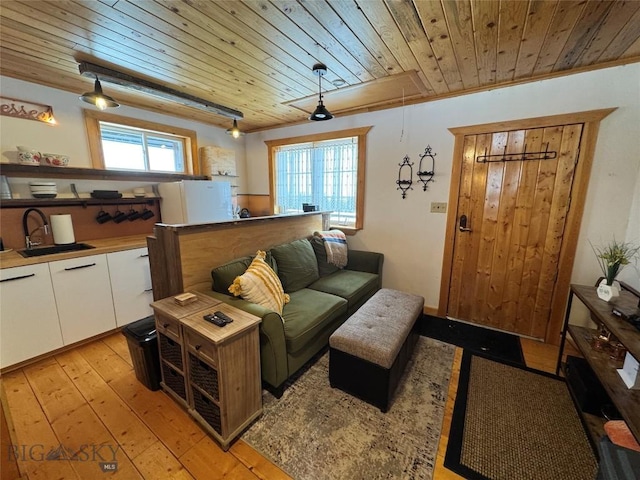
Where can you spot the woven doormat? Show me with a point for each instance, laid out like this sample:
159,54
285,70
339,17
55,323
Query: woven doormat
512,422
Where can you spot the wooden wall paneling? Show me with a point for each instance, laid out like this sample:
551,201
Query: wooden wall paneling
201,251
85,226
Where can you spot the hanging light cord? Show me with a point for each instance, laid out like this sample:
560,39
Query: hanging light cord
402,132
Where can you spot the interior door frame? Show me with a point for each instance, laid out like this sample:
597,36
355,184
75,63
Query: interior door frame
591,120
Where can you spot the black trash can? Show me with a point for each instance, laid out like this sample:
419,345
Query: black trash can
143,348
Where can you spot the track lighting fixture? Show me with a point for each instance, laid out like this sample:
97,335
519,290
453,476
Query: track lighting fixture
98,98
321,112
234,131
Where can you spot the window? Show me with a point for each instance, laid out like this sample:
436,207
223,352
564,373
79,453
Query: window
325,170
119,143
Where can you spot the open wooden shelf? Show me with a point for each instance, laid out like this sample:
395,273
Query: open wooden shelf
41,171
68,202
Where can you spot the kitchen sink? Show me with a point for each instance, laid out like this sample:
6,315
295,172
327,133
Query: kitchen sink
51,249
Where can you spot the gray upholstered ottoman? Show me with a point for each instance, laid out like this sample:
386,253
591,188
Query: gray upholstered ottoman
368,353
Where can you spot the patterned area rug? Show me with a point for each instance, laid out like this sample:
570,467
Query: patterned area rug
314,432
511,422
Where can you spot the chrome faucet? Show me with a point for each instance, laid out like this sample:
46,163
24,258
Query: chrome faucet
27,235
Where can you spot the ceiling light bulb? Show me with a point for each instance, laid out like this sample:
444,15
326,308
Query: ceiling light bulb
98,98
234,131
101,103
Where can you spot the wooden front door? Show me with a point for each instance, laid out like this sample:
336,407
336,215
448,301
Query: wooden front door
511,216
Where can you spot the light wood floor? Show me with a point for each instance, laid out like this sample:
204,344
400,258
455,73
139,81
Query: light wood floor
89,397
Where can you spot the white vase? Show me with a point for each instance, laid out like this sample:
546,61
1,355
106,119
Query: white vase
607,292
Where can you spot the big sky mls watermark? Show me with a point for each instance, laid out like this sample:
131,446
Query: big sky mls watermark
104,455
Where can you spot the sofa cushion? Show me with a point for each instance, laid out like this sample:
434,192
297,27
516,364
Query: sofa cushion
324,268
348,284
308,312
260,284
297,264
224,275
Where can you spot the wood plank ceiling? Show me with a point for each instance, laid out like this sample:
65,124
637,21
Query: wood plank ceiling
256,56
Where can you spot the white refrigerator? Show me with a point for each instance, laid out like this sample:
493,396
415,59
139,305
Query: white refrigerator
195,201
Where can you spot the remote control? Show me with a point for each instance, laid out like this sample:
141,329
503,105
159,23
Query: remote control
223,316
212,318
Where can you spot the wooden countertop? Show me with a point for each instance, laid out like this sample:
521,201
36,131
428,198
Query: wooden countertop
12,258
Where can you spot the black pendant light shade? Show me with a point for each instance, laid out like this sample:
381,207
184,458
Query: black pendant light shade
321,112
234,131
98,98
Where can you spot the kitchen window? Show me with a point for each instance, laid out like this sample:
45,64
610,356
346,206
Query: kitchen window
120,143
326,171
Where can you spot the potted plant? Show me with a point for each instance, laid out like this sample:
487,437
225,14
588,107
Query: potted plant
612,258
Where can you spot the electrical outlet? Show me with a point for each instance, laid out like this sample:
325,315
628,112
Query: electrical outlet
438,207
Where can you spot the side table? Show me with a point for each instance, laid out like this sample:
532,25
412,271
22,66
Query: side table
213,371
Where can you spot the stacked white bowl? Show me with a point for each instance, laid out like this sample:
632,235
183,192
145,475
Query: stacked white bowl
43,189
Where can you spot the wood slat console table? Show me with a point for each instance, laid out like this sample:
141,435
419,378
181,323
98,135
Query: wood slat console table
626,400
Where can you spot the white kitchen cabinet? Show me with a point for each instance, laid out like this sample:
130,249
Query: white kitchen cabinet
28,327
83,294
130,284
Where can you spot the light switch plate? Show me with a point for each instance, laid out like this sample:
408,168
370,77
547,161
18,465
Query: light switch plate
438,207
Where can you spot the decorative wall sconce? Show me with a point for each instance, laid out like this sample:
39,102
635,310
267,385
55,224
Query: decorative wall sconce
425,176
12,107
405,175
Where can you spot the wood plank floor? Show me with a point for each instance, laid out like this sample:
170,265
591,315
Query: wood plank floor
88,401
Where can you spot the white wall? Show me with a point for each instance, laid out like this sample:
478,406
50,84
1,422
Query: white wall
411,238
69,135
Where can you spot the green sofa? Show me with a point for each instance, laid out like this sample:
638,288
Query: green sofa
322,298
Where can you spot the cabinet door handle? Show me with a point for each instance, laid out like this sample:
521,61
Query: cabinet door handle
17,278
144,255
80,266
198,347
149,290
165,325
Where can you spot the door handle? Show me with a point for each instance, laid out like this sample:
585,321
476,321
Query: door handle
463,224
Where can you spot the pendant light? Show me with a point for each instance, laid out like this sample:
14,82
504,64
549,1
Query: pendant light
321,112
234,131
98,98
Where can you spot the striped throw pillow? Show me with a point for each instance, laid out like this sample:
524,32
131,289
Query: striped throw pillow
260,284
